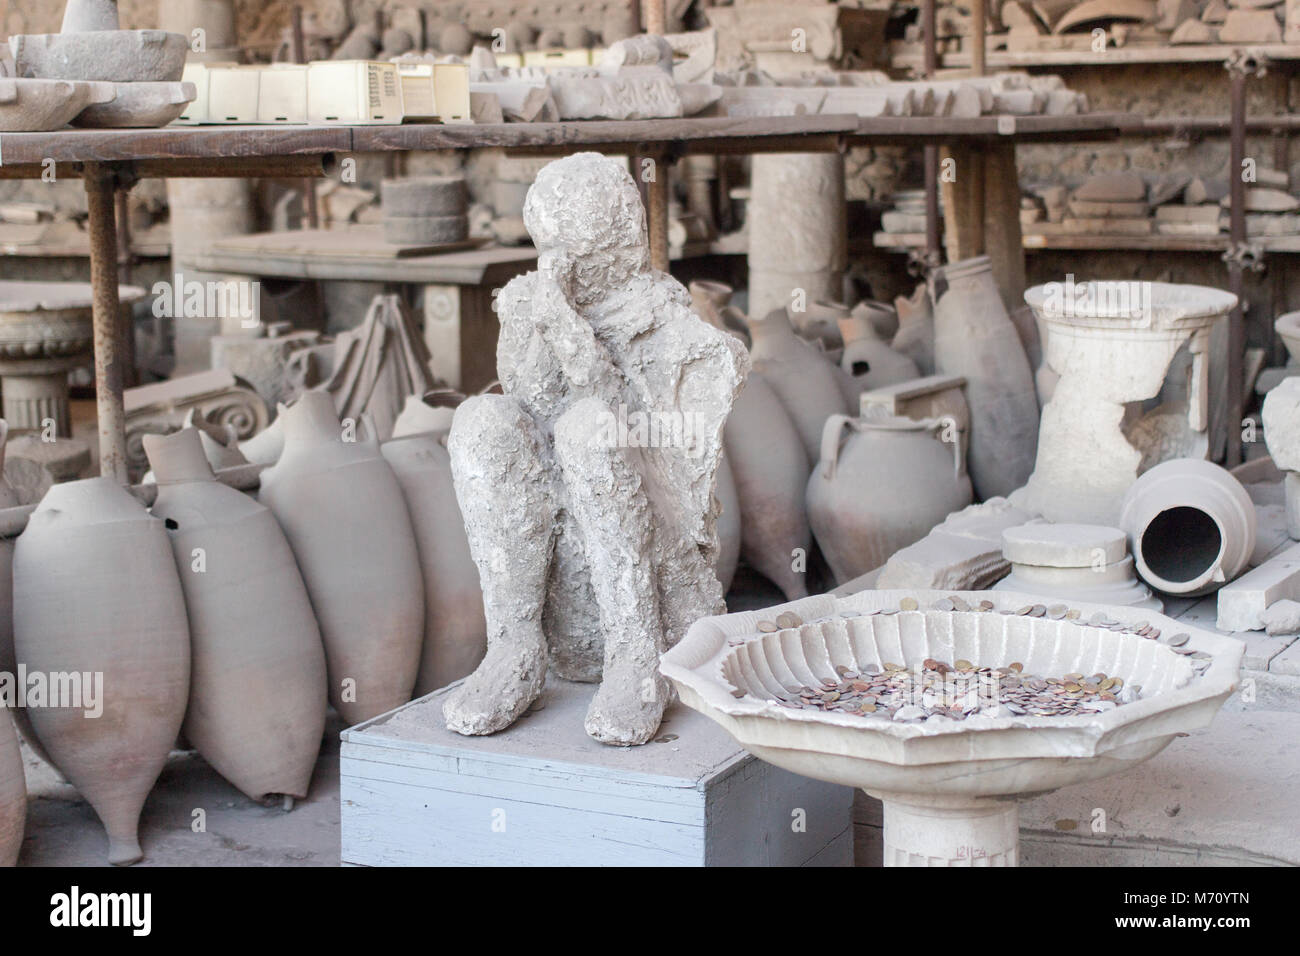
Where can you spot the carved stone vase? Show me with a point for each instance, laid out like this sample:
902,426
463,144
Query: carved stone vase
342,509
1112,343
257,679
881,489
96,594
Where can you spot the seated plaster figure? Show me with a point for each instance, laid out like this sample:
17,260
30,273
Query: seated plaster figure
587,488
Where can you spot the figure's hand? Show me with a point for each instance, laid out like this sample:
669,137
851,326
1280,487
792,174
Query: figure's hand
570,337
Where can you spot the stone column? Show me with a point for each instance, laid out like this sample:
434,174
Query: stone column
796,228
202,211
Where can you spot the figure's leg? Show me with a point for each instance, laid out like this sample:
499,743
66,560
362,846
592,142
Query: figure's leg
572,618
608,501
505,482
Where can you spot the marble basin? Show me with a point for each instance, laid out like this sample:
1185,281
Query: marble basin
114,56
949,786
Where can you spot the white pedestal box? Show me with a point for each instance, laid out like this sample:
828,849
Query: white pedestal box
543,793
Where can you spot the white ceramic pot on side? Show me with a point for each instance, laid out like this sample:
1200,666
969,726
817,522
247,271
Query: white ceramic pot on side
257,685
342,509
455,629
96,594
881,489
1191,526
770,468
13,792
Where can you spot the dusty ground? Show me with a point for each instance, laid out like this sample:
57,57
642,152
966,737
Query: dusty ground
62,829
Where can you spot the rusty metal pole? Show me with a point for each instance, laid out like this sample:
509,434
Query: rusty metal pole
657,188
1237,242
100,186
656,18
299,43
932,236
125,267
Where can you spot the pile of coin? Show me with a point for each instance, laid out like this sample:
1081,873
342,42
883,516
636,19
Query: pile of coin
958,690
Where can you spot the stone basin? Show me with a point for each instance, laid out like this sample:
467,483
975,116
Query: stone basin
139,105
38,106
949,786
115,56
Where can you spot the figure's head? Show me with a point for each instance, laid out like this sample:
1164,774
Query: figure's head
587,205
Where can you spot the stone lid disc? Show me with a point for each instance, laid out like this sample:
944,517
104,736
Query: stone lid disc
1063,545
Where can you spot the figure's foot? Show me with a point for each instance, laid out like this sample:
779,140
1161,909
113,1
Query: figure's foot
503,686
628,708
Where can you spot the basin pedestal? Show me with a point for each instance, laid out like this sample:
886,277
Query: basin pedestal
923,830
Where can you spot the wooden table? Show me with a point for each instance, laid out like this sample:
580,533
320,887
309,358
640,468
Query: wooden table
112,160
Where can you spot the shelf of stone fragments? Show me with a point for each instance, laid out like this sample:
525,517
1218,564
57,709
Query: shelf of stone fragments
903,242
1111,56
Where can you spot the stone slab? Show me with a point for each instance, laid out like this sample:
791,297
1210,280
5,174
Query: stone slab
416,793
1241,604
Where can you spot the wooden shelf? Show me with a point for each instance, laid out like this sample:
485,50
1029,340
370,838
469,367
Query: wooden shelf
1112,56
169,150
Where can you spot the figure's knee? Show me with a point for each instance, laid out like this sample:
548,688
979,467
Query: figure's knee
494,437
587,436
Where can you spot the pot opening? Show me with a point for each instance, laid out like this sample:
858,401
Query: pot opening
1181,544
861,368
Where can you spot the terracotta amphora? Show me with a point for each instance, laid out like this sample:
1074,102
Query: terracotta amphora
98,608
728,525
8,661
770,468
974,337
455,630
342,509
13,792
257,677
800,374
881,488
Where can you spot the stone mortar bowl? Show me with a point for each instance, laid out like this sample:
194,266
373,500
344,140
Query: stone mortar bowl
37,106
115,56
139,105
946,781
